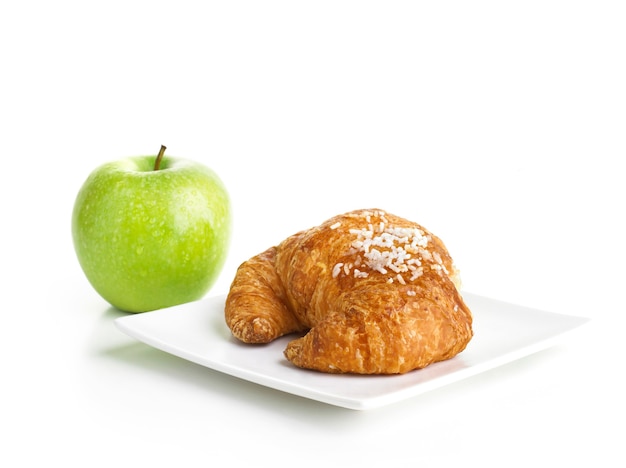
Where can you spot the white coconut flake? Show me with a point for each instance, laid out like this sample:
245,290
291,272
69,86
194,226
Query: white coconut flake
416,274
437,258
389,250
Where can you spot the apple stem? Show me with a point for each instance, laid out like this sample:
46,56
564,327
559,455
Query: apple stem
157,163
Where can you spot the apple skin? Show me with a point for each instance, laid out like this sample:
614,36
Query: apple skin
148,239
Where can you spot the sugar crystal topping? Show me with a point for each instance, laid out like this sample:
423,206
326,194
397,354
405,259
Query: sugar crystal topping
397,252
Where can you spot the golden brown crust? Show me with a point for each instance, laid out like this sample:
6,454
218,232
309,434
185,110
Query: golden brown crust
255,309
377,292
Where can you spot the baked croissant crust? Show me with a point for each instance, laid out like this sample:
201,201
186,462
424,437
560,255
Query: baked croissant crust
375,294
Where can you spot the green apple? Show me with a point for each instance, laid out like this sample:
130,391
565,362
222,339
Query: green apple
151,231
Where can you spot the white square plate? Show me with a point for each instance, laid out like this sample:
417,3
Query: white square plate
197,332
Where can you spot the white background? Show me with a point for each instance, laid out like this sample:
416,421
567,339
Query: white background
497,125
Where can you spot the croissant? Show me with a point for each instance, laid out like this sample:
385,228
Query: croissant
369,292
